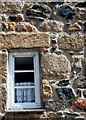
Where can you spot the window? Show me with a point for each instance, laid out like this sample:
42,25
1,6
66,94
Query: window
23,81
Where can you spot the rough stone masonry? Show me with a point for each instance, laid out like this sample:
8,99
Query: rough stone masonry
57,30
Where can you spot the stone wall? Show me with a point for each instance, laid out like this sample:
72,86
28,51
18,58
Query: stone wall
57,30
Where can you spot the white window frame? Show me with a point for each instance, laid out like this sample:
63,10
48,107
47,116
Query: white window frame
11,105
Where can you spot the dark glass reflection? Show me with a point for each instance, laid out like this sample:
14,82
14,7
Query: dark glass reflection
24,63
24,77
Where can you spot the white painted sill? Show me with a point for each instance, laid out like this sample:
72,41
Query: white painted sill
27,110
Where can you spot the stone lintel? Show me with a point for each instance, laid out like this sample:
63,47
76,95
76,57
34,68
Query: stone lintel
13,40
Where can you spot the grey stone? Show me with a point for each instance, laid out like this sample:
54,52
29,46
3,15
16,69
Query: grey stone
66,11
52,105
80,81
65,93
84,26
65,96
81,14
78,92
84,93
40,11
63,83
71,115
59,114
80,4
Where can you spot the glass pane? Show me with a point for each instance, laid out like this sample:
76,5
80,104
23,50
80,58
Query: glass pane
24,95
24,78
24,63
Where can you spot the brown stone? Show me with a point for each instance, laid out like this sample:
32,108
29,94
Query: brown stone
5,26
47,90
80,103
11,6
19,17
12,26
3,80
55,66
77,61
52,116
52,25
75,27
1,41
20,27
30,28
0,20
24,40
73,42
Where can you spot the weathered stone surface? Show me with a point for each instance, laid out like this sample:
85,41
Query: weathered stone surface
76,61
52,105
80,82
16,18
4,98
56,66
40,11
80,4
78,92
84,26
20,27
73,42
25,27
80,103
10,7
19,17
25,115
4,18
12,18
75,27
81,14
84,93
3,79
71,115
30,28
65,93
24,40
52,26
1,41
12,26
47,90
63,83
4,26
66,11
65,96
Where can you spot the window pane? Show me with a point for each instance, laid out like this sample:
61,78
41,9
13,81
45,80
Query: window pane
24,95
24,77
24,63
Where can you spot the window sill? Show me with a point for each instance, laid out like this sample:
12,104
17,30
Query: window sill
27,110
